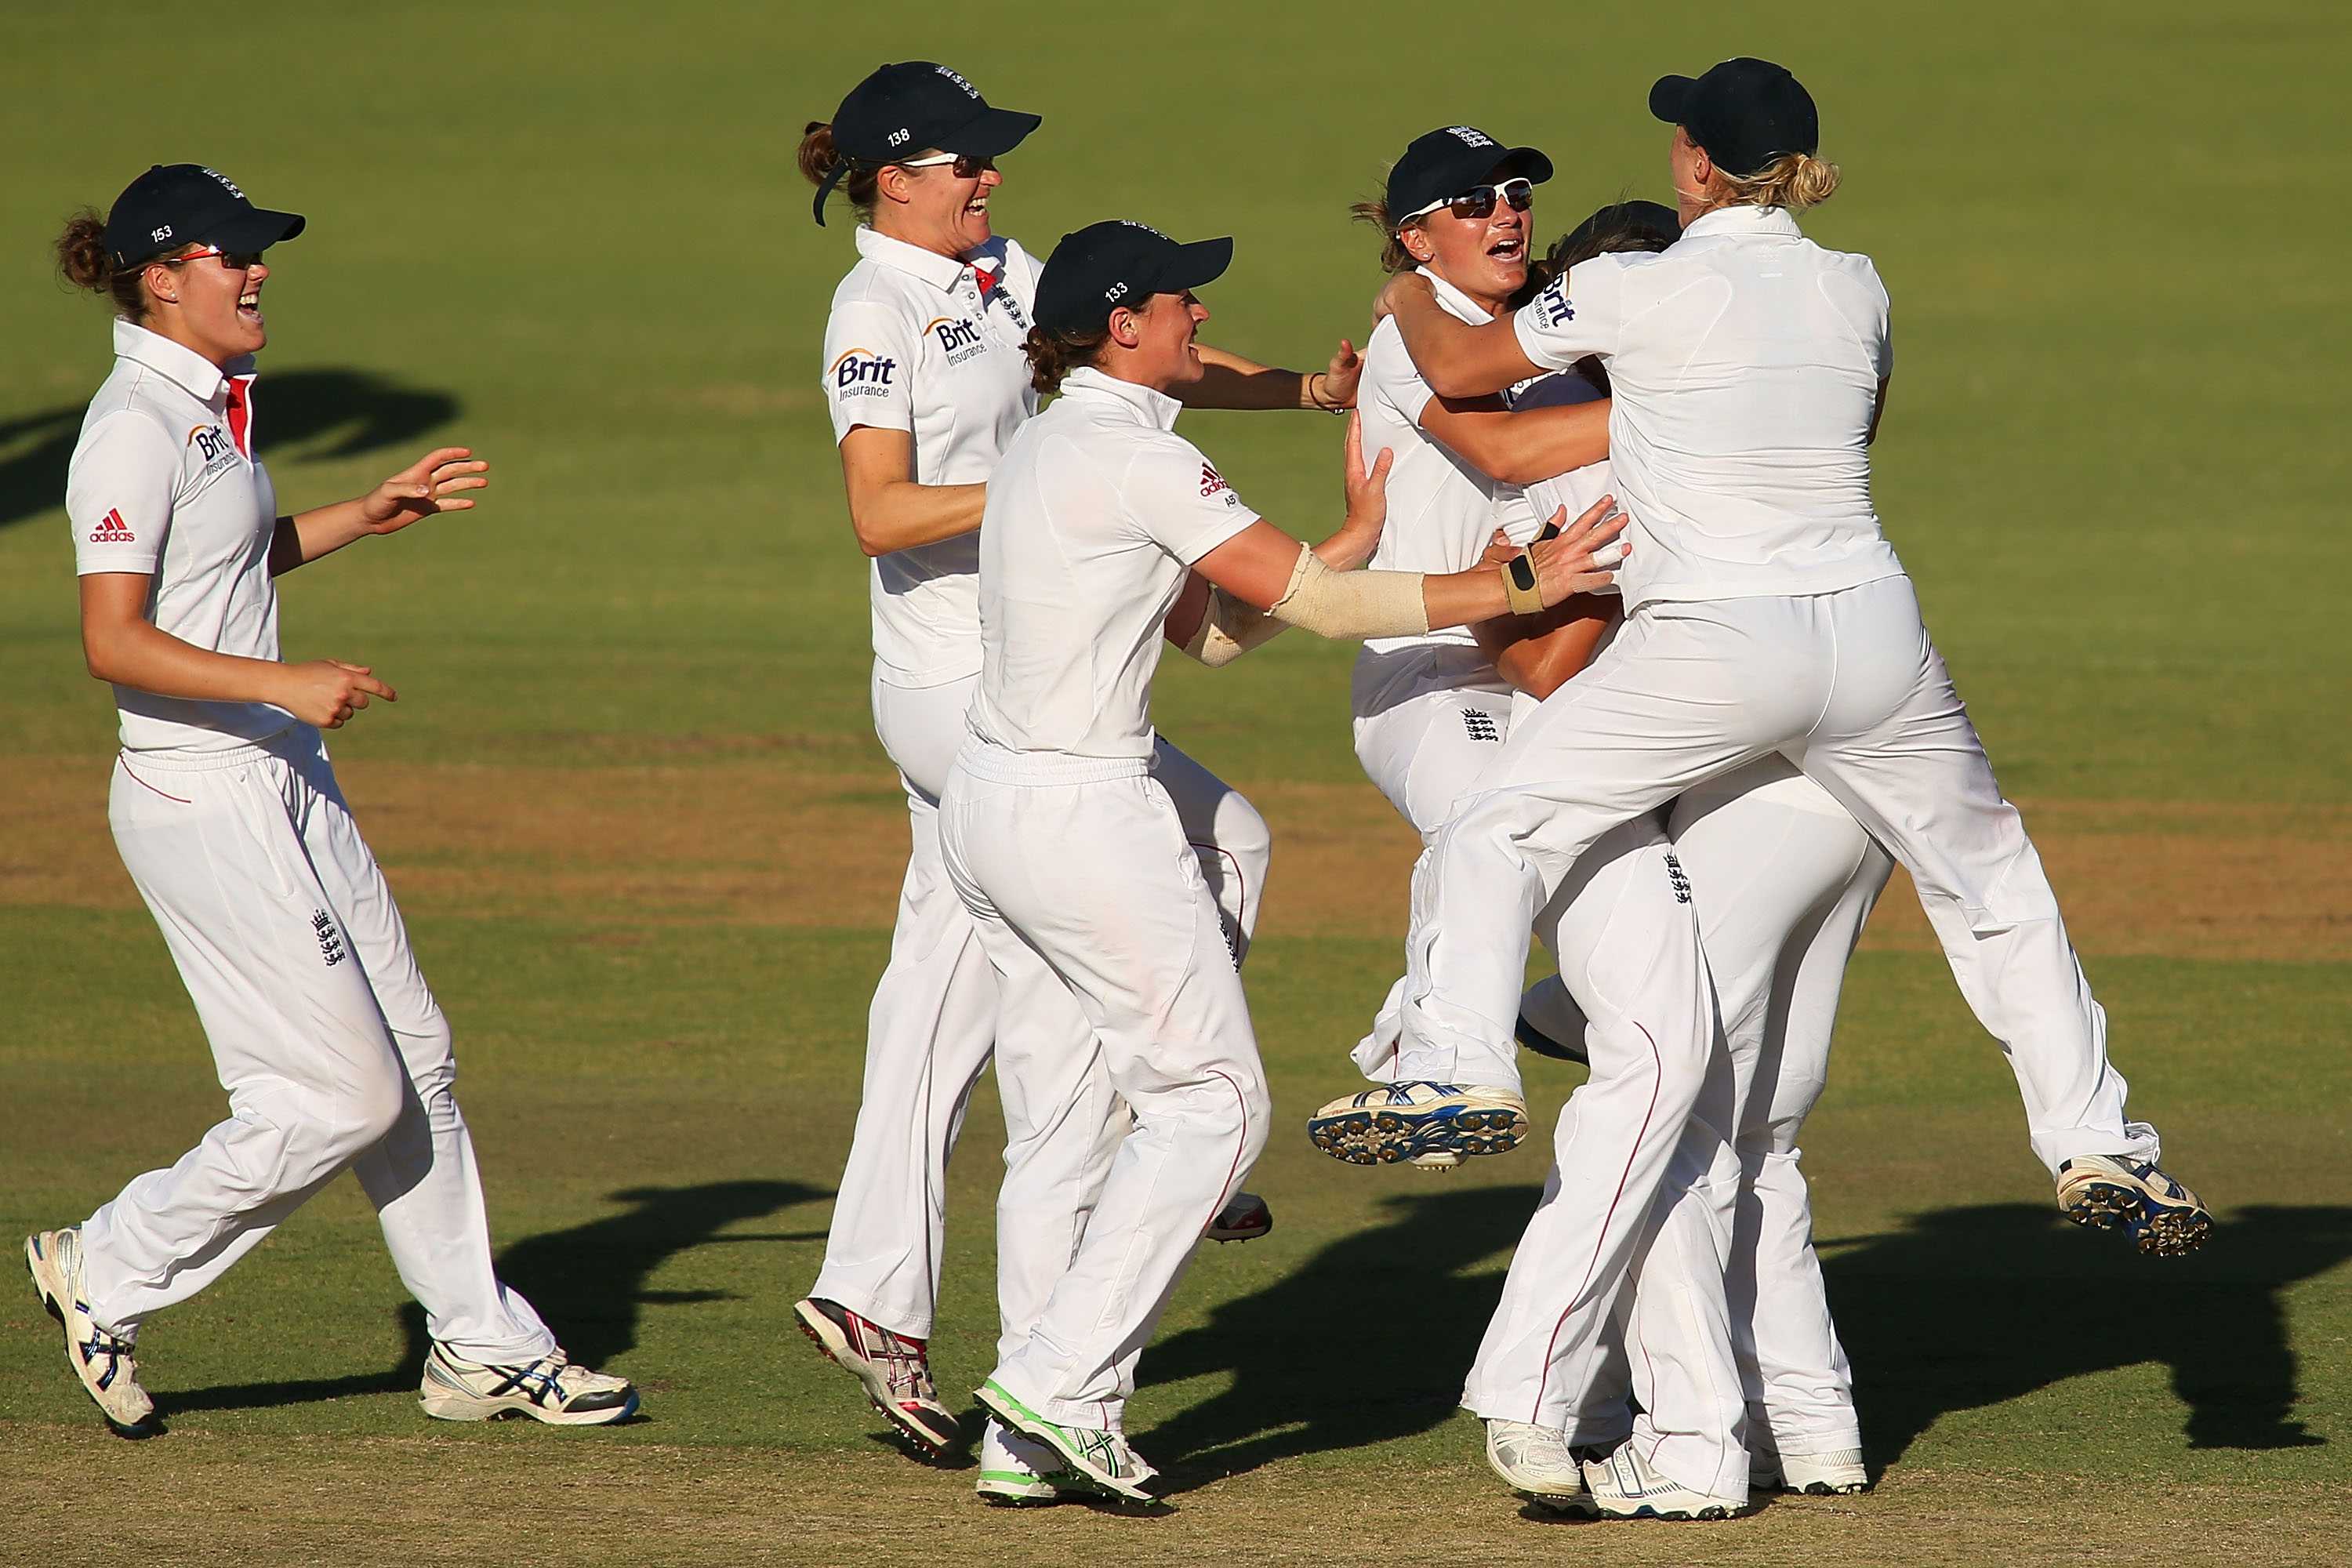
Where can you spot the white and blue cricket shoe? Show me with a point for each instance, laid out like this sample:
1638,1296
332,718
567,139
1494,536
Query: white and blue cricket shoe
1435,1126
550,1389
100,1358
2160,1213
1623,1486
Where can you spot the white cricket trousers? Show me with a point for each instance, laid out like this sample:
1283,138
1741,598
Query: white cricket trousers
1079,875
1849,687
937,1015
1428,720
1783,880
331,1045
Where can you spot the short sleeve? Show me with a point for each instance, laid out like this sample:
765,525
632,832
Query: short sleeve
1180,500
1389,376
1578,313
119,494
870,368
1883,350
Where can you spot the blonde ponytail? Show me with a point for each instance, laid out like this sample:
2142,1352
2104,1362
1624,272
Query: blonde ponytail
1793,180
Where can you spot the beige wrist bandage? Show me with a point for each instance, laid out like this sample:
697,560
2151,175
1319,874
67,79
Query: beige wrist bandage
1229,629
1520,590
1351,604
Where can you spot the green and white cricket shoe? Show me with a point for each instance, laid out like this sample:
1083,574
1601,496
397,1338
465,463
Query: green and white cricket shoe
1623,1486
1100,1458
100,1359
1839,1472
2161,1215
1434,1126
550,1389
1537,1463
1018,1471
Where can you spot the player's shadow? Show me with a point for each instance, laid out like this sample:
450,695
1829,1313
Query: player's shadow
319,412
1366,1342
1971,1307
588,1282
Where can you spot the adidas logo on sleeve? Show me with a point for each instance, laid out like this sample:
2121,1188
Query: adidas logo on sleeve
112,530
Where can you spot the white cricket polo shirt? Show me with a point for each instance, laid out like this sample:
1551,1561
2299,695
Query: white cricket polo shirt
913,344
1441,508
1744,363
165,482
1095,519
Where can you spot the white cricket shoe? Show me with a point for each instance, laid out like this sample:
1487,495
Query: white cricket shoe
1838,1472
1537,1463
100,1358
1101,1458
1624,1486
2161,1215
895,1369
1019,1471
550,1389
1435,1126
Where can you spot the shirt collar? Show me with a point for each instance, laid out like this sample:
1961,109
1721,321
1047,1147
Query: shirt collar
183,367
1155,408
1744,219
939,272
1455,300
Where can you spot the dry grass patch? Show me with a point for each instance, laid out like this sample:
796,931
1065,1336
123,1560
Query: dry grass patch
518,1497
798,835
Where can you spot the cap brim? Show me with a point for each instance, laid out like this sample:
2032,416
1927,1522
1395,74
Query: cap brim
1526,162
257,228
1669,96
991,133
1201,262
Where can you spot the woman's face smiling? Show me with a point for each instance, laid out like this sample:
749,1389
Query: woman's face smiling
211,307
938,211
1167,340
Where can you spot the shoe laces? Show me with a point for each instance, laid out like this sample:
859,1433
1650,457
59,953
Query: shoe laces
906,1365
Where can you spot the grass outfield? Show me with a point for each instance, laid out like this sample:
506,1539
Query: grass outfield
648,847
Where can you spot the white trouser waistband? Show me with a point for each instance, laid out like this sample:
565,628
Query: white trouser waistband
293,743
982,760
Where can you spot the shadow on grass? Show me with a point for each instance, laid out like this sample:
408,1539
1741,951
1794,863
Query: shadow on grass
349,412
1971,1307
1365,1342
1369,1340
588,1282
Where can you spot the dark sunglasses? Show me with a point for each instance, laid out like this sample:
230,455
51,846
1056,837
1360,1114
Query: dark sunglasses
234,260
1478,203
968,165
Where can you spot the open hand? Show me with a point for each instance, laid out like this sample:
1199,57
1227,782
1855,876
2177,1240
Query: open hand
1367,488
433,483
1570,561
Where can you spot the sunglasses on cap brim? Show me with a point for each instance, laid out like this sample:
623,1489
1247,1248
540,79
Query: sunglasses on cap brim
1479,201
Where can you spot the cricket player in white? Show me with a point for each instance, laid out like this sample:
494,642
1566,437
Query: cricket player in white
1770,858
1068,851
333,1052
925,381
1766,613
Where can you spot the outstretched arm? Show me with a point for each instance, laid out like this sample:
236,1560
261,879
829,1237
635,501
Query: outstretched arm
1235,381
434,483
1520,448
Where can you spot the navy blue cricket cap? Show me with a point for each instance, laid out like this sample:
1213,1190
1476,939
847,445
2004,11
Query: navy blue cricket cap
176,204
1744,112
916,106
1452,160
1106,265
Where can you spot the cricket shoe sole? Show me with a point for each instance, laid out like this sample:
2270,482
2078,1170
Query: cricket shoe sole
1430,1125
2104,1192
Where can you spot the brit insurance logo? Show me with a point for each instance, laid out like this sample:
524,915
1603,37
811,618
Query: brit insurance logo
213,445
959,338
862,373
1552,304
